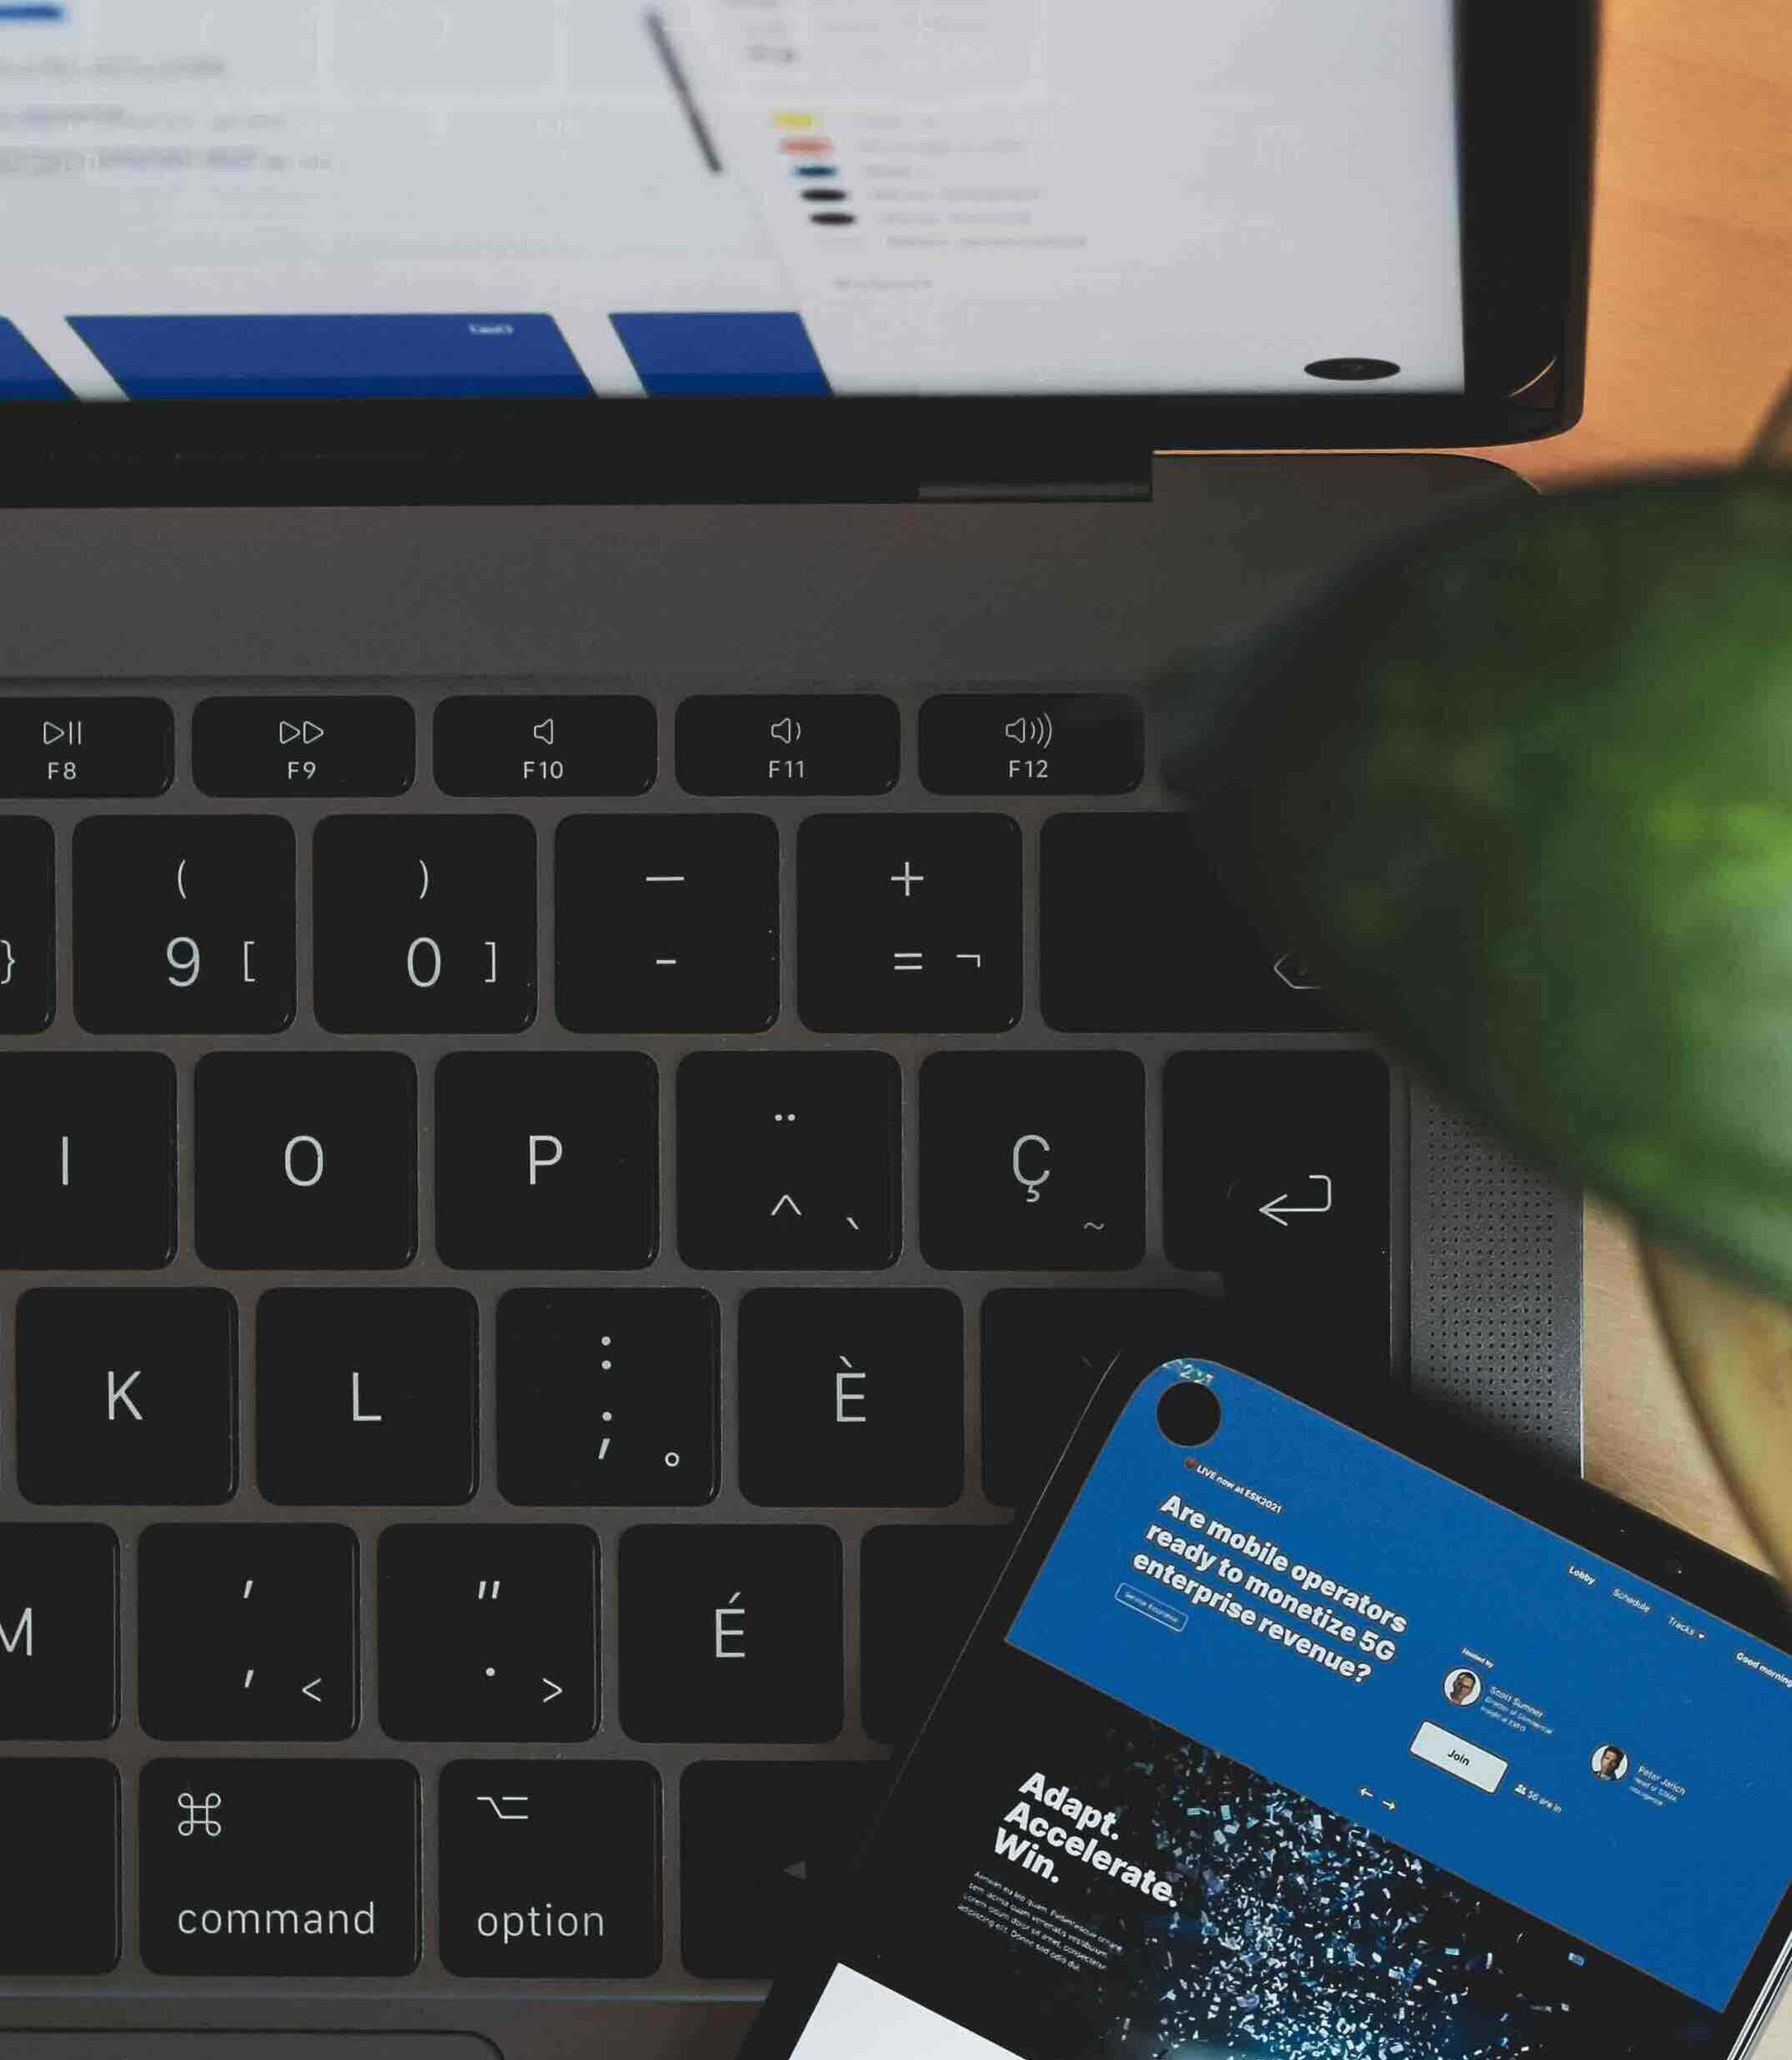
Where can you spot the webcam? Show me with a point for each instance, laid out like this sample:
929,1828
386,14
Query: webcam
1352,368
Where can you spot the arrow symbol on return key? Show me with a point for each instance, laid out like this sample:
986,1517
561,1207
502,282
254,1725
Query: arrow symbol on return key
553,1687
311,1688
1279,1210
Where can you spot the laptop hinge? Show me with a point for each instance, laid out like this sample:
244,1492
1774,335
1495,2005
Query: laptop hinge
1137,488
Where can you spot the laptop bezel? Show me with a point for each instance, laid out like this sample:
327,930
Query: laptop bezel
1526,96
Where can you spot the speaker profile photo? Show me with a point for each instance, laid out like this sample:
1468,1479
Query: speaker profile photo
1610,1763
1462,1687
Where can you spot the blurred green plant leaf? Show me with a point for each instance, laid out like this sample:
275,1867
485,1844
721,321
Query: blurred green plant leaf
1521,791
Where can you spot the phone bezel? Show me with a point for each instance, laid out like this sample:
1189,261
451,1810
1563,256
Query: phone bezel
1699,1574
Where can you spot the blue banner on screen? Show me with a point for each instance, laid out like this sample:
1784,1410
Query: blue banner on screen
1517,1710
23,374
720,353
336,357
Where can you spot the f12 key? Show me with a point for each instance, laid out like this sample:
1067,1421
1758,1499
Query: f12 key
1031,743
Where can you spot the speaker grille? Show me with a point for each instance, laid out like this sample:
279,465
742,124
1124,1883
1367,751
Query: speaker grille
1496,1274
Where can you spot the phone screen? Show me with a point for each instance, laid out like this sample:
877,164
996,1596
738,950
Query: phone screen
1294,1747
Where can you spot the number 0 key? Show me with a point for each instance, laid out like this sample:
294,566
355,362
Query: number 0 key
425,922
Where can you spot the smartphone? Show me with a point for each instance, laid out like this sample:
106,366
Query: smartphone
1277,1740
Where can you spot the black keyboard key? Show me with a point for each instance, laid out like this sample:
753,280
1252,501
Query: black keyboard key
127,1395
488,1631
550,1867
314,745
27,924
1276,1173
59,1905
1031,743
58,1631
852,1397
89,1160
1139,931
1032,1160
608,1395
546,743
424,922
789,1159
547,1158
306,1159
184,923
666,922
908,922
765,1848
1045,1350
366,1395
909,1644
85,744
731,1632
279,1866
788,744
247,1631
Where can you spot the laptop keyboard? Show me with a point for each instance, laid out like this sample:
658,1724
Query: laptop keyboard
546,1235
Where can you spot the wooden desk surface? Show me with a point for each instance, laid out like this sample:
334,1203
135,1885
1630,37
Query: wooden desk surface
1691,339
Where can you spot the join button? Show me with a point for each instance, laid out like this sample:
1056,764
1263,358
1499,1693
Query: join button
1438,1748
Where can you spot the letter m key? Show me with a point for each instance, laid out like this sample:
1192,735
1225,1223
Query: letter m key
21,1632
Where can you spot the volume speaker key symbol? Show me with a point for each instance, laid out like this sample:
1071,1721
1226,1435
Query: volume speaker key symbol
1034,729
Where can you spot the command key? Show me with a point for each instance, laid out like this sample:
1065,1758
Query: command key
279,1866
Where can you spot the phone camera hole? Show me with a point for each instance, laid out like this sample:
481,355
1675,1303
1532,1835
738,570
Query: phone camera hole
1188,1414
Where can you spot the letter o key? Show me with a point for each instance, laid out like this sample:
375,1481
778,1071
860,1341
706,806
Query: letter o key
292,1173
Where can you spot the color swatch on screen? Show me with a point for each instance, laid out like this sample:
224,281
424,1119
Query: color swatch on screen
307,357
23,374
683,355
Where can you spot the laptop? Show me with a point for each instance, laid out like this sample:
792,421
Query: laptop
607,1018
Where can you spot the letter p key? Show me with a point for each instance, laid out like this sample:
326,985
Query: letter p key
544,1150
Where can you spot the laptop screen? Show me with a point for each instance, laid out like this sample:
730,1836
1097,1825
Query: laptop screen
383,199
